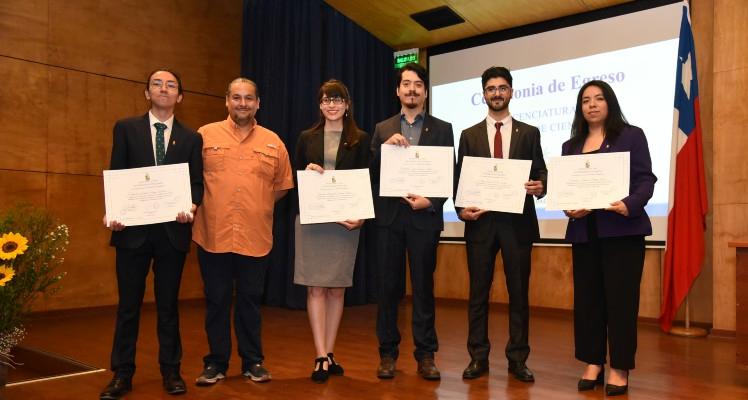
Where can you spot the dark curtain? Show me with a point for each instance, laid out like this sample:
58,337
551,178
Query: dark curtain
290,47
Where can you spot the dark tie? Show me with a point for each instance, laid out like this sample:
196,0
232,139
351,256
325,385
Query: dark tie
498,148
160,148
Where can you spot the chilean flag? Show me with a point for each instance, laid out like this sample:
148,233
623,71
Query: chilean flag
684,252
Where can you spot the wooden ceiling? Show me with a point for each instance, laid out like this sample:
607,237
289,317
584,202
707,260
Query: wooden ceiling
389,20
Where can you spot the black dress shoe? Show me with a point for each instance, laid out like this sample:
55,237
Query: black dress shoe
615,390
320,375
386,369
174,384
475,369
333,367
427,369
589,384
521,372
117,388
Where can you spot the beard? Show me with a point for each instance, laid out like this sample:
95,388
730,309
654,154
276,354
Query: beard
497,107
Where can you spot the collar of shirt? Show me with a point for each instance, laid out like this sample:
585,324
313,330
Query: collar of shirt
506,121
418,117
167,133
152,120
234,128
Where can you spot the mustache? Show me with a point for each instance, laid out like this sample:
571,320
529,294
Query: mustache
412,93
497,98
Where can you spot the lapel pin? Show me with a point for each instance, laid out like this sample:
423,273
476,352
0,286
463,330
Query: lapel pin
173,142
426,129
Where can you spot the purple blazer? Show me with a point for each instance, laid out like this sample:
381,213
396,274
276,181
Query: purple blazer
642,180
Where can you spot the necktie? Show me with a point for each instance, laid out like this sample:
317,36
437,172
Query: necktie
498,148
160,147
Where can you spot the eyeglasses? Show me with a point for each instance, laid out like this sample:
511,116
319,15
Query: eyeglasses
503,89
158,83
334,100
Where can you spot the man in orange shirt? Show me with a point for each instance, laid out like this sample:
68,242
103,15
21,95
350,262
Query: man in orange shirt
246,171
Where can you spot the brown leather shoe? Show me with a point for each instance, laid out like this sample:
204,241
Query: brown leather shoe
116,389
475,369
386,369
427,369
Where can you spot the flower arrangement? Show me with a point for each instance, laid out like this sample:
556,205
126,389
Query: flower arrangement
31,246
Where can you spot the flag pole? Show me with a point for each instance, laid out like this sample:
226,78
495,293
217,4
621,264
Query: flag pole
687,330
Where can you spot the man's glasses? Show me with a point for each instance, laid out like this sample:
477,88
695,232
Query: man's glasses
158,83
334,100
503,89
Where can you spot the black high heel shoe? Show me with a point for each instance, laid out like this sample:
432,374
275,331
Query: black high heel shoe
333,367
589,384
320,375
616,390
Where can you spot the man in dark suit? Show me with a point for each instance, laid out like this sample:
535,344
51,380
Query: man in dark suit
155,138
487,232
411,223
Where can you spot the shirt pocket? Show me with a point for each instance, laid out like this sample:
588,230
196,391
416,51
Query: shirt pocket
214,158
267,160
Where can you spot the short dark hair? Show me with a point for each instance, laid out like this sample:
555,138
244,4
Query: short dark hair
176,75
496,72
418,69
614,123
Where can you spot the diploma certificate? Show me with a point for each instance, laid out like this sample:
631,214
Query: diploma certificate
149,195
494,184
335,195
423,170
587,181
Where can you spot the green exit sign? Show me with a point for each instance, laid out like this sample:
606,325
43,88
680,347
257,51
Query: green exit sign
405,56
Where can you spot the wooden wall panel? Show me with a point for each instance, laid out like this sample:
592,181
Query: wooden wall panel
23,133
23,187
78,201
730,146
85,107
730,30
199,39
23,29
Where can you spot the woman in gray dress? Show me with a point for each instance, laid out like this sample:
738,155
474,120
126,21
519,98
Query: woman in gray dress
326,253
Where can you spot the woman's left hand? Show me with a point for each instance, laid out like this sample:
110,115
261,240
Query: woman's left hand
619,207
352,224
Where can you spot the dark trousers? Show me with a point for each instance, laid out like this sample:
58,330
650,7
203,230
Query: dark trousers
132,269
607,275
222,272
392,243
481,255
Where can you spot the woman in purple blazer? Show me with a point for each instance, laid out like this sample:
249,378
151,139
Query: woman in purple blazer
608,244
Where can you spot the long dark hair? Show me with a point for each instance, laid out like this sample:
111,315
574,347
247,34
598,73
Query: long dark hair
336,88
614,123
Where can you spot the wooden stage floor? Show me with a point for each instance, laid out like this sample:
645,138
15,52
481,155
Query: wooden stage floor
668,367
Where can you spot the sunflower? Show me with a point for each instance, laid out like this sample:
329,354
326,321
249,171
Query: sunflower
6,274
11,245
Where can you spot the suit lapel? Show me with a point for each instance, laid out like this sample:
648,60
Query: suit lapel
144,133
514,141
175,139
342,153
317,147
426,134
482,147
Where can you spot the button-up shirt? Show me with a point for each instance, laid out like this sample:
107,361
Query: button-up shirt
241,177
412,132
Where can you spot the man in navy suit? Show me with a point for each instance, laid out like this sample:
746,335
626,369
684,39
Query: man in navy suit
486,232
155,138
414,223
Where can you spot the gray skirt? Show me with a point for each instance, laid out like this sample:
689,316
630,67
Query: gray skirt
325,255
